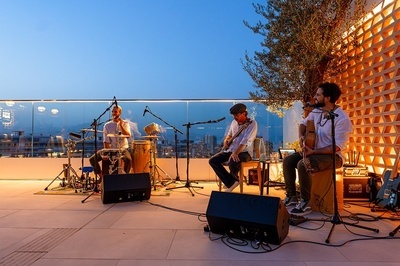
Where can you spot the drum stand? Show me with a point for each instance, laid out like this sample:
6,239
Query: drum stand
153,167
67,169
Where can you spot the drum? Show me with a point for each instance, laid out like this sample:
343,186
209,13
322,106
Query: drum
141,156
152,129
108,167
110,161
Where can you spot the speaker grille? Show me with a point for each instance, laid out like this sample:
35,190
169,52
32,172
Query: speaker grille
125,187
260,218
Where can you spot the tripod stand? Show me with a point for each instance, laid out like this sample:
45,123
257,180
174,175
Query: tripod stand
188,182
153,167
336,219
67,168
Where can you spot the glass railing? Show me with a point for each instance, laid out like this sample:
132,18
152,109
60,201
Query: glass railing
55,128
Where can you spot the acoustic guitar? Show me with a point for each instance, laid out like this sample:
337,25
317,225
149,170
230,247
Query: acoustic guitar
309,141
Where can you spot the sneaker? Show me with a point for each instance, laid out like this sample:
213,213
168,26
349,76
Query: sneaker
231,188
290,201
302,208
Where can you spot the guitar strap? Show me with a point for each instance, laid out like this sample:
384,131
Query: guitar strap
240,130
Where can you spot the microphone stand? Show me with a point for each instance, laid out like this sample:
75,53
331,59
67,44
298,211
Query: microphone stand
188,182
177,179
94,125
336,219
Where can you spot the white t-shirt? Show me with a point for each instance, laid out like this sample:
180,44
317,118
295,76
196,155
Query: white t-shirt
323,128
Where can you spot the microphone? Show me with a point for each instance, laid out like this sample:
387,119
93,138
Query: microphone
145,110
115,101
308,104
219,120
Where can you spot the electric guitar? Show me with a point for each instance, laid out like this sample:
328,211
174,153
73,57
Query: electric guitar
242,127
387,196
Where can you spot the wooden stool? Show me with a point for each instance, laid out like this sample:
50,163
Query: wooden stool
322,191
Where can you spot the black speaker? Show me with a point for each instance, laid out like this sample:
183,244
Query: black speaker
259,218
125,187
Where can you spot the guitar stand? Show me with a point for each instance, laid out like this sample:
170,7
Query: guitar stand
336,219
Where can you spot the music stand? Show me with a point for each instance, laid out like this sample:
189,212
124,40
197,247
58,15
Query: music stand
336,219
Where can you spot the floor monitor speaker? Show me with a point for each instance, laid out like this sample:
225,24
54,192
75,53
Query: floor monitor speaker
125,187
259,218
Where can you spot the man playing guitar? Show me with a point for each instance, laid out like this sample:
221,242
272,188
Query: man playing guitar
237,147
319,157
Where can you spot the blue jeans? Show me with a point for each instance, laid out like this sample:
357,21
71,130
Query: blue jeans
217,164
319,162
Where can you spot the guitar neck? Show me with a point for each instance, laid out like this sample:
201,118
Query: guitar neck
243,127
394,173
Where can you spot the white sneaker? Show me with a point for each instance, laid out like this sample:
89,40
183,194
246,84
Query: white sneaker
231,188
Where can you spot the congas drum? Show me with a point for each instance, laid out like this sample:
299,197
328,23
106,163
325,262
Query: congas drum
110,161
141,156
152,129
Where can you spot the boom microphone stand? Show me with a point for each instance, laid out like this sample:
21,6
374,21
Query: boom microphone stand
188,182
147,109
95,124
336,219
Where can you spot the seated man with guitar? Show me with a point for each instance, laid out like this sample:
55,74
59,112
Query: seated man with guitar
317,156
237,147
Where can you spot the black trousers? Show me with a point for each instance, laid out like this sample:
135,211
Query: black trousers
217,163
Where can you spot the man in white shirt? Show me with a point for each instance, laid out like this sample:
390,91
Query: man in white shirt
237,147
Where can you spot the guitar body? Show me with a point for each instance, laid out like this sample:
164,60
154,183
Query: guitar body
309,141
310,135
387,196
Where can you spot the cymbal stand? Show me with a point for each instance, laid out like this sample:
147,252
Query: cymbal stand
147,109
67,169
336,219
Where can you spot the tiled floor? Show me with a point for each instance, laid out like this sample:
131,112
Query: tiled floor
169,230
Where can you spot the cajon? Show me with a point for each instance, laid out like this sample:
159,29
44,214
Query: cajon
322,191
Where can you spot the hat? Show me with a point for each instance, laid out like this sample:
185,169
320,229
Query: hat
238,108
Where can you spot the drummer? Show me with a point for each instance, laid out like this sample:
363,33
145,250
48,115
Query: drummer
116,133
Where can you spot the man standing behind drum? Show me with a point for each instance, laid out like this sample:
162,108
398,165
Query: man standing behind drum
115,136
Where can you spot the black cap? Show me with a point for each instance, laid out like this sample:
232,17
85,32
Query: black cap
238,108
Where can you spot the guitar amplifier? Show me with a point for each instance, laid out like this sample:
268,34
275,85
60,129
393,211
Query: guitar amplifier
356,188
355,182
355,171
